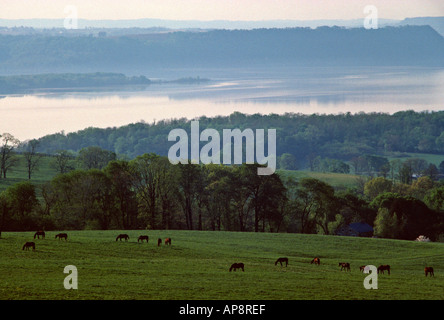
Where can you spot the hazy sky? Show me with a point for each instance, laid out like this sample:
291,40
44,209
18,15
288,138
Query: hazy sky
219,9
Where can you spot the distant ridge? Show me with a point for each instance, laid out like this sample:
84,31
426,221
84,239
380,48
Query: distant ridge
436,23
323,46
189,24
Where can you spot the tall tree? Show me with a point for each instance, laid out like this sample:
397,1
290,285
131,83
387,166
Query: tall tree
5,208
146,178
63,161
168,191
23,200
31,157
94,157
376,186
7,154
316,205
189,179
123,200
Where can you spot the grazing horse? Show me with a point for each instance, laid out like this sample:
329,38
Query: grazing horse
28,245
428,270
39,233
122,236
62,235
236,266
382,268
141,238
168,241
280,260
344,266
159,242
362,268
316,261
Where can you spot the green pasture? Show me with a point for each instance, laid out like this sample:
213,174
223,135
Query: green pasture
436,159
19,173
337,180
196,266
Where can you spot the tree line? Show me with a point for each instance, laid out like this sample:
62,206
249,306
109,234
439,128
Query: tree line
148,192
307,138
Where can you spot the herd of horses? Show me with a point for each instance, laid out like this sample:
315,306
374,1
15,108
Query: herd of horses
144,238
121,236
235,266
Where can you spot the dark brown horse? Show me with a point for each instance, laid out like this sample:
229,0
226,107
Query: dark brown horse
141,238
168,241
39,233
122,236
28,245
282,260
383,268
159,242
362,268
316,261
344,266
62,236
236,266
428,270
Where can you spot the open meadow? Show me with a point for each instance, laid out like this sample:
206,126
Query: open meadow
196,267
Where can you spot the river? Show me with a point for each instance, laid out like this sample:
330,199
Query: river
265,91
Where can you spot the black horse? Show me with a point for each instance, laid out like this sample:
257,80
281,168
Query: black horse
141,238
282,260
28,245
159,242
122,236
236,266
38,234
62,236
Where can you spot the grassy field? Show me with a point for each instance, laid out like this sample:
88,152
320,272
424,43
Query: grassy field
436,159
196,267
337,180
19,173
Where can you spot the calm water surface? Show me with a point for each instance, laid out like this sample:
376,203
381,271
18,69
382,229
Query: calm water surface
304,90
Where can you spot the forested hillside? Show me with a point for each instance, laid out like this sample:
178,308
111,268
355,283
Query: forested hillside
392,46
342,136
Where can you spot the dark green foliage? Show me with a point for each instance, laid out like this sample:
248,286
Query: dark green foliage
410,217
357,138
150,192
